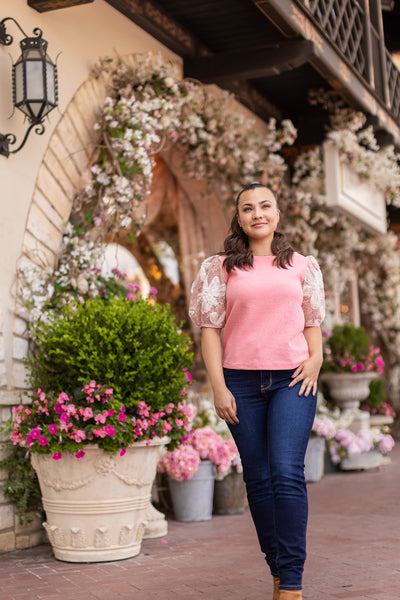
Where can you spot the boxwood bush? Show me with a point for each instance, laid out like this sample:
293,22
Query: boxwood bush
133,346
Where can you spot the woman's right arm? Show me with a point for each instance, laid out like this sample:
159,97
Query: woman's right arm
224,401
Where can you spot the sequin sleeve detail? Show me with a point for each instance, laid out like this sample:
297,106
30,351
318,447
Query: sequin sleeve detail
207,299
313,294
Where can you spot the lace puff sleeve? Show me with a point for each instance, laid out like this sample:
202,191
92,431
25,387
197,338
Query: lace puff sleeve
313,294
207,299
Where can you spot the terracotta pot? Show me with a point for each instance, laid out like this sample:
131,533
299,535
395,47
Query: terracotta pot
96,506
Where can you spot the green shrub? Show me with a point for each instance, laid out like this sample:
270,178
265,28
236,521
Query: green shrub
133,346
351,339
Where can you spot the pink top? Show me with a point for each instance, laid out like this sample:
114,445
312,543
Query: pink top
263,310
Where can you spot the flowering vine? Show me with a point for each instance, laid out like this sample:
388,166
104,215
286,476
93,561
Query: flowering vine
148,108
342,245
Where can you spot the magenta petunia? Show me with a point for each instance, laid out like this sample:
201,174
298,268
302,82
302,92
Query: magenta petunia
35,434
57,455
43,440
53,428
80,454
123,451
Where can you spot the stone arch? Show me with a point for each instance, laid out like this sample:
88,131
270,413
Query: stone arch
62,171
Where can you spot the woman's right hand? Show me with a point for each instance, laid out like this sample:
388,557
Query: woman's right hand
225,406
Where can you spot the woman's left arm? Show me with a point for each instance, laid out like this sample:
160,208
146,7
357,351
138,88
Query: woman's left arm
308,371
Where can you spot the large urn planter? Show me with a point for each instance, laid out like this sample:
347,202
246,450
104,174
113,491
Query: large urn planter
347,390
96,506
192,499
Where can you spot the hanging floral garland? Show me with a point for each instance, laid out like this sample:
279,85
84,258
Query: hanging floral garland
149,108
343,245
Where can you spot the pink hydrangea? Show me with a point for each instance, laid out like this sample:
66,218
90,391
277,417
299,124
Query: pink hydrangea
180,464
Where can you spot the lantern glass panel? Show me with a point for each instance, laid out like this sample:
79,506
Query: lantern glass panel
50,81
19,82
35,108
34,80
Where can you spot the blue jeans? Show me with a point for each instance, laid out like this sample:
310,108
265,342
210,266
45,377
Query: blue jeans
272,437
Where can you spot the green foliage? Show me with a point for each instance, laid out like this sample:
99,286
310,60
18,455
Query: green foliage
377,394
134,346
351,339
21,486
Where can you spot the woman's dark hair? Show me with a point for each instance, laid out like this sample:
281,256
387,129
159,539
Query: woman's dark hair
236,245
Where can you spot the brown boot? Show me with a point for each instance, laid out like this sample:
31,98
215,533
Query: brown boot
290,595
276,589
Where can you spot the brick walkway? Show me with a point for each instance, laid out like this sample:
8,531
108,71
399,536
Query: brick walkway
353,547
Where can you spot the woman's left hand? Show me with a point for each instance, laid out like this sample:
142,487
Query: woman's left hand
308,373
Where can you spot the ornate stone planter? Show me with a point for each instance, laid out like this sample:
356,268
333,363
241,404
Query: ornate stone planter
96,506
348,389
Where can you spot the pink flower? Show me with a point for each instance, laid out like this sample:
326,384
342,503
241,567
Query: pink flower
43,441
53,428
110,430
130,296
188,376
123,451
80,454
386,444
57,455
121,417
35,434
86,413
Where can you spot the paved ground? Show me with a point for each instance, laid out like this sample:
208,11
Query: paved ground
353,548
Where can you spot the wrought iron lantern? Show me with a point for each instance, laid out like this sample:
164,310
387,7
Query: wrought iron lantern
34,78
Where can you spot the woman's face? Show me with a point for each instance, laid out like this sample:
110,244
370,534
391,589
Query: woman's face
258,213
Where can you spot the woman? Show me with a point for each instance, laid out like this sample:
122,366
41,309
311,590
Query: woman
269,301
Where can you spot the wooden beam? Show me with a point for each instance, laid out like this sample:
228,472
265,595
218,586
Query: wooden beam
265,62
168,31
46,5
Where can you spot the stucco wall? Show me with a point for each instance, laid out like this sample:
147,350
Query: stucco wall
37,182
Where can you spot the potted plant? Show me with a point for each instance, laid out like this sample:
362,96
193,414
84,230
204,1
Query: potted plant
109,377
192,469
376,404
351,363
323,429
360,450
229,487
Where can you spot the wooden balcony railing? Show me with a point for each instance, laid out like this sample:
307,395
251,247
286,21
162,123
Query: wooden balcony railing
355,28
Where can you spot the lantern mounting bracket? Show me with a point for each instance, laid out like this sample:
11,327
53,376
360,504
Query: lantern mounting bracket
35,90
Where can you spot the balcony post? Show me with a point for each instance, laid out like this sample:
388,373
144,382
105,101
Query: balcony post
376,14
368,45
